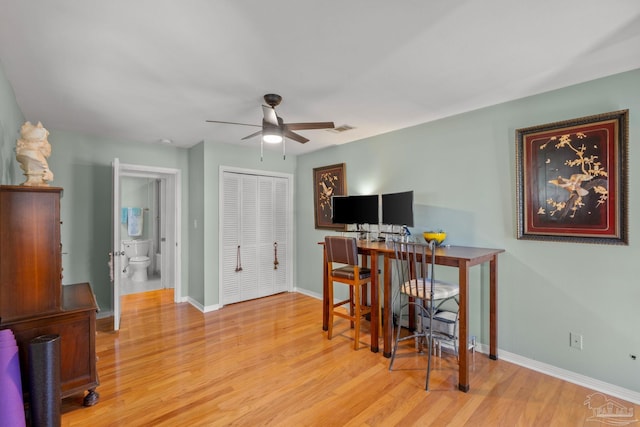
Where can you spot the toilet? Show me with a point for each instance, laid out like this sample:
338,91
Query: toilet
138,253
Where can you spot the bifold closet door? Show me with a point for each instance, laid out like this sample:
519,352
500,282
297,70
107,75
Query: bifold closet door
273,225
282,226
255,226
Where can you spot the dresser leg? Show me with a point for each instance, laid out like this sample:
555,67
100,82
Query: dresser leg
91,398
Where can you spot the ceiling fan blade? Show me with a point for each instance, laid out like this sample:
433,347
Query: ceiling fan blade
270,115
252,135
233,123
313,125
291,135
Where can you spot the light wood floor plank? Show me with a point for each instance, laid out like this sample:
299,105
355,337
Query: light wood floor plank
268,362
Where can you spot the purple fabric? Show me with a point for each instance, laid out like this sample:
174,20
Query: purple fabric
11,406
7,342
7,335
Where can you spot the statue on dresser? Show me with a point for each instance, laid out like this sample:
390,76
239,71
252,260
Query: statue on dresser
32,150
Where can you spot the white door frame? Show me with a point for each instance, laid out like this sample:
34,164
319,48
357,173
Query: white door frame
289,263
115,242
173,179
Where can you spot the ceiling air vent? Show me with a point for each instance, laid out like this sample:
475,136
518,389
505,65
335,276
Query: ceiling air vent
341,129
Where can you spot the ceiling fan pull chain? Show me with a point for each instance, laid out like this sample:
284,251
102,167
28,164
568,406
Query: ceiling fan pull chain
261,149
238,261
275,255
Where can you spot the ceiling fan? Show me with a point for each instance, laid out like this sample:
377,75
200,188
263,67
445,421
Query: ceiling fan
273,129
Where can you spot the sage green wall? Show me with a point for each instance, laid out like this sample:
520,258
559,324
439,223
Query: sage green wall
82,167
11,118
462,170
246,157
196,223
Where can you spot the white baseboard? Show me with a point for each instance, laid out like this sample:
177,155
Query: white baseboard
202,308
308,293
563,374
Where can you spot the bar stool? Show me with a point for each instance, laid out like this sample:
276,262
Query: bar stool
344,251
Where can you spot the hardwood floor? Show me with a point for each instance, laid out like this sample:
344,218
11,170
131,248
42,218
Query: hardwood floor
268,362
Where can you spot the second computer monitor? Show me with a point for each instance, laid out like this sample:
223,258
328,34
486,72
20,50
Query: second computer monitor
397,208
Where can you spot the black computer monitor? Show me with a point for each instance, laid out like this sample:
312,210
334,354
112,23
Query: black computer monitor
341,210
397,208
366,209
355,209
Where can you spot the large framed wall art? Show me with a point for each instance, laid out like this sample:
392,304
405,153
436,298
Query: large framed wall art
572,180
328,181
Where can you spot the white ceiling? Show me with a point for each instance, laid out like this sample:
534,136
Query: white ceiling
146,70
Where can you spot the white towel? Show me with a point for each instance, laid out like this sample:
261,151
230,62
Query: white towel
134,222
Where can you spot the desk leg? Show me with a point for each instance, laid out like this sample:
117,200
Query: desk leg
325,291
375,305
387,318
463,329
493,308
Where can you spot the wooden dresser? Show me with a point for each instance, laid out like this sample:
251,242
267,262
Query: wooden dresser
33,301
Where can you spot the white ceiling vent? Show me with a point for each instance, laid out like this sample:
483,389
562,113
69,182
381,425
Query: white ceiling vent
340,129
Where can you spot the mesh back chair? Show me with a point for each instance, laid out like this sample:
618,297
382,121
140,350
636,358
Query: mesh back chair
344,251
420,291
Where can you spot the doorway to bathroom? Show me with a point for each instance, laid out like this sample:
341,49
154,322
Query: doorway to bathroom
146,231
142,234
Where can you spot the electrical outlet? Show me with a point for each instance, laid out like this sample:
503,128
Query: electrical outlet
575,340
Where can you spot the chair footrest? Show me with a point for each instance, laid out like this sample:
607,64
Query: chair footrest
341,303
363,311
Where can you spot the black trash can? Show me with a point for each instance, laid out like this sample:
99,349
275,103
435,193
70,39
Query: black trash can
44,381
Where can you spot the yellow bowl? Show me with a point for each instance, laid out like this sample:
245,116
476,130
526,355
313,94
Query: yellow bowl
438,236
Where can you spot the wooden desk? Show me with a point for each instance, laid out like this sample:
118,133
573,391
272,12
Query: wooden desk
453,256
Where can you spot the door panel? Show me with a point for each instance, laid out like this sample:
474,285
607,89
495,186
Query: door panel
252,222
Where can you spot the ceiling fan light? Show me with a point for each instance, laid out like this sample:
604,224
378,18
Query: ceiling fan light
272,137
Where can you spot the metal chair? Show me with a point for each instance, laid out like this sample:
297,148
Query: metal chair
344,251
423,293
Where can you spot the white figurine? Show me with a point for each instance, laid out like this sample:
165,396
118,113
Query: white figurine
32,150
